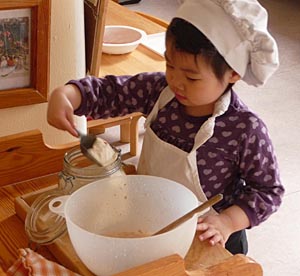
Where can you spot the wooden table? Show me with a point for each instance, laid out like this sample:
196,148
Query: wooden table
12,233
140,60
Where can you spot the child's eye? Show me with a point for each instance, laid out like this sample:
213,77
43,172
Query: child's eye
169,66
192,79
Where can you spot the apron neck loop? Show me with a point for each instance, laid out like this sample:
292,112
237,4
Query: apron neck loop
165,96
206,131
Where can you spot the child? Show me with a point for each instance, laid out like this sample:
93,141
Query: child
198,132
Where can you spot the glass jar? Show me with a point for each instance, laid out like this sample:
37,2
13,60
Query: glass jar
79,171
43,226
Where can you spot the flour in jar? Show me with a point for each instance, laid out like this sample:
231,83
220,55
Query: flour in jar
103,152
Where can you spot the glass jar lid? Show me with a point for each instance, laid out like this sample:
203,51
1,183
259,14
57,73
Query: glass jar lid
42,225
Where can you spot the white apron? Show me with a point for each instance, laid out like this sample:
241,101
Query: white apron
160,158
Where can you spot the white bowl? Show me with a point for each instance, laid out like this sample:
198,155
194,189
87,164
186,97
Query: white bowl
97,213
121,39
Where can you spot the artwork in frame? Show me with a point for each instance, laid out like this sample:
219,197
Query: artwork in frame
15,26
24,52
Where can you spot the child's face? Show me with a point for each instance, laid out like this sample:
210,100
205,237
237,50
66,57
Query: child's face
193,82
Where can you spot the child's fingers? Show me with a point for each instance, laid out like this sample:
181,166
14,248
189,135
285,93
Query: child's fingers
216,239
70,124
212,236
209,233
202,226
200,219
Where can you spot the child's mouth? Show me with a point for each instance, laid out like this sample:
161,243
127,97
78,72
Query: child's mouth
180,97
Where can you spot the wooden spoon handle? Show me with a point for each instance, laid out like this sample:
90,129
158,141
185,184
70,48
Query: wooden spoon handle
188,215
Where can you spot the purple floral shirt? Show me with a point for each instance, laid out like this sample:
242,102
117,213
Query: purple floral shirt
237,161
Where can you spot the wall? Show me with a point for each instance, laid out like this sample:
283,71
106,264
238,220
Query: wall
67,61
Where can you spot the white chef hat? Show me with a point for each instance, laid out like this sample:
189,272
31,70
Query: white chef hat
238,29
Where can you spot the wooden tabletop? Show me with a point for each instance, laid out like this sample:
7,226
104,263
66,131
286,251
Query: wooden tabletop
12,233
140,60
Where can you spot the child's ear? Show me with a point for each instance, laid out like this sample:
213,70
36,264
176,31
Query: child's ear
234,77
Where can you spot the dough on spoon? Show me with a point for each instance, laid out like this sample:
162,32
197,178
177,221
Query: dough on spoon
103,152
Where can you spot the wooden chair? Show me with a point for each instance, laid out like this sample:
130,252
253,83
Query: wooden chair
129,131
24,156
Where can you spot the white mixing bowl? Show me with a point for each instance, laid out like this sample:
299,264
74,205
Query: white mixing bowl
100,211
121,39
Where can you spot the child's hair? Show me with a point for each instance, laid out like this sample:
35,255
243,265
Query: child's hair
187,38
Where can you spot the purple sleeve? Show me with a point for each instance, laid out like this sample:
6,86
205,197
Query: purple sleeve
114,96
263,190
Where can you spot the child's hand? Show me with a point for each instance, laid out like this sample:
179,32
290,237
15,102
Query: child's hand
218,228
62,103
214,228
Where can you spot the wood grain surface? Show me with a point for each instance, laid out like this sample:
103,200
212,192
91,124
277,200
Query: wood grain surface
25,156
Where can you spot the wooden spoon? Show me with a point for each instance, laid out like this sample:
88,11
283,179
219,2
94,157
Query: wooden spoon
191,213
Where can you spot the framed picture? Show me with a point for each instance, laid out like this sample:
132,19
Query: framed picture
94,22
24,52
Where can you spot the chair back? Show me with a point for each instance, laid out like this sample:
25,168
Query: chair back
24,156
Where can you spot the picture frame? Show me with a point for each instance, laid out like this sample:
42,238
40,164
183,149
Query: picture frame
24,52
94,22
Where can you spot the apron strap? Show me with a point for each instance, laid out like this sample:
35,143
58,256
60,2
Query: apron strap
207,129
165,96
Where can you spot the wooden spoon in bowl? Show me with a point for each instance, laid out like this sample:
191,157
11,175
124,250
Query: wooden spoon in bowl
191,213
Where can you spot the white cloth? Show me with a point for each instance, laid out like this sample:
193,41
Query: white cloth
238,29
162,159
